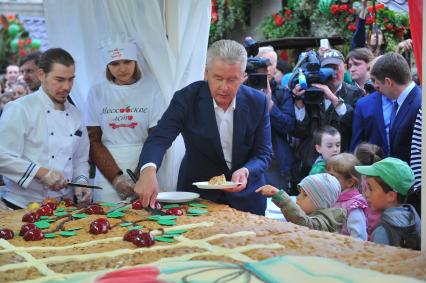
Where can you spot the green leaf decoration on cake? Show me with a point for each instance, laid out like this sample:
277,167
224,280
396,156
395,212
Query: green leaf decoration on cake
67,233
44,217
169,235
135,227
167,217
60,213
60,209
154,217
43,224
197,211
176,232
126,224
50,235
164,239
199,205
166,222
74,228
115,214
79,215
110,204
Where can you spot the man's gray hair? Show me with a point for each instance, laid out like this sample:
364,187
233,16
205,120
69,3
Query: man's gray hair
268,49
229,51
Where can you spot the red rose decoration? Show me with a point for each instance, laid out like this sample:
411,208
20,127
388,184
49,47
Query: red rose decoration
389,26
343,8
352,11
287,12
279,20
334,8
385,20
352,27
214,17
369,20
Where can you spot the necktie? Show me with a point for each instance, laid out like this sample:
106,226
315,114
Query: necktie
393,113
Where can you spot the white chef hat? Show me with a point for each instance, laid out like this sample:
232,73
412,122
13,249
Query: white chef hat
121,47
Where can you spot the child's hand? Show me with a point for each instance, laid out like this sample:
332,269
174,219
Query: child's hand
267,190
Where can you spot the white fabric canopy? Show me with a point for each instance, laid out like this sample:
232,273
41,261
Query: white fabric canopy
172,34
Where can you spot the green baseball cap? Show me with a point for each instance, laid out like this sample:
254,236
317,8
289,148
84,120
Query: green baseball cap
393,171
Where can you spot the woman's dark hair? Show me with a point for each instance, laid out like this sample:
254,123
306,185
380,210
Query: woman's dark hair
52,56
137,74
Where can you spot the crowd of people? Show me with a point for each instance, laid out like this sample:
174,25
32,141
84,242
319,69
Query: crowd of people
345,155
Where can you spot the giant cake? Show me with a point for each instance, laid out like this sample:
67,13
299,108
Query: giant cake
204,239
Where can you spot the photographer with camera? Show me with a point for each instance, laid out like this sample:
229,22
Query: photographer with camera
281,112
330,102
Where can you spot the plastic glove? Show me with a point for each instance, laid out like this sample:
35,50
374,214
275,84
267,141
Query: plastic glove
83,195
124,185
54,180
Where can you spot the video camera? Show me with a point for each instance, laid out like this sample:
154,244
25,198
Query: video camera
257,67
308,71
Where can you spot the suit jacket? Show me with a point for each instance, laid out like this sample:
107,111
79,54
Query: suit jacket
282,124
191,113
401,133
369,124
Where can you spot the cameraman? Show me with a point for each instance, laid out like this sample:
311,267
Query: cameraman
336,109
281,112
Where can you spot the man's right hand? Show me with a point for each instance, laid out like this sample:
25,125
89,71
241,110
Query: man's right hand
147,186
298,92
54,180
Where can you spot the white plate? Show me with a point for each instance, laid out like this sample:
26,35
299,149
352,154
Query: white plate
176,197
205,185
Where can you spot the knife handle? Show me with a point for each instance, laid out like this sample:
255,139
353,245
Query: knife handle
132,175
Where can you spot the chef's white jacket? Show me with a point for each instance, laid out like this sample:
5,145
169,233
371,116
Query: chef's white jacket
32,135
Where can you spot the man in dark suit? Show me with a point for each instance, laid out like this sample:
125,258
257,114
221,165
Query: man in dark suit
226,129
392,77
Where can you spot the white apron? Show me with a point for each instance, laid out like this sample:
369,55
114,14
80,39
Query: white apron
127,157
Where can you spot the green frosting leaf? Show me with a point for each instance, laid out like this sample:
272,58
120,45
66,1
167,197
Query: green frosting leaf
166,222
79,215
67,233
164,239
42,224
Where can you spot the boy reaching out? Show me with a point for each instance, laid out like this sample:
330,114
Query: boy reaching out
318,193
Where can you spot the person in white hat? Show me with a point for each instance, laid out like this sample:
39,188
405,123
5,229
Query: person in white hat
120,112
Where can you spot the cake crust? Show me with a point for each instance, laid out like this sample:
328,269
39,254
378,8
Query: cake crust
223,234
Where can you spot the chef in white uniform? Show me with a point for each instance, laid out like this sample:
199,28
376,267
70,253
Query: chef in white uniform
121,110
44,143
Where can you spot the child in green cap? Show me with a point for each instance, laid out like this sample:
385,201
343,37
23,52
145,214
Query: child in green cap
389,181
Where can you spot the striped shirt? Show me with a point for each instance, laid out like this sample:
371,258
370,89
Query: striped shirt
416,150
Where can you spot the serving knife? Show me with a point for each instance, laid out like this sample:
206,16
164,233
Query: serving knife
84,186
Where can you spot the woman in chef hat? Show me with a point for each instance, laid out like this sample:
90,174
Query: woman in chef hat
121,110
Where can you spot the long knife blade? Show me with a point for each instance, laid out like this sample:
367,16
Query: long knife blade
84,186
